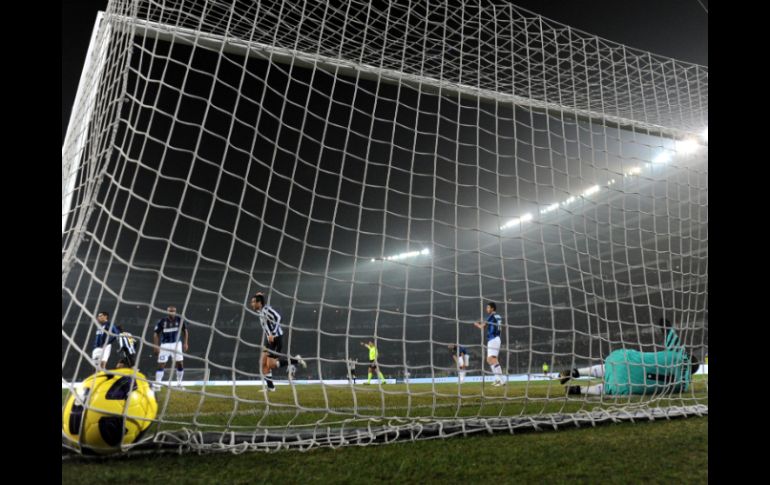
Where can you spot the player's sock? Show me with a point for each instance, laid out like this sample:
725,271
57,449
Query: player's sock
382,377
158,376
369,380
593,371
595,390
498,372
179,375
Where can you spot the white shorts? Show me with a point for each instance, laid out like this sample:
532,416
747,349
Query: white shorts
173,350
101,354
462,361
493,347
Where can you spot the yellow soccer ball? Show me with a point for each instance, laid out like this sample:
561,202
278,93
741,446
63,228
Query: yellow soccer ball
111,408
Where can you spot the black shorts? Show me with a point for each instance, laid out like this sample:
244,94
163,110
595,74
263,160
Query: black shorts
373,364
273,349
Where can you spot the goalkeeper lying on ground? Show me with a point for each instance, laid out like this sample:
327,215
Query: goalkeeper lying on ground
627,371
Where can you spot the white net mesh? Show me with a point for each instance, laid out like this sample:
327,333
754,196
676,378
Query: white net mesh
381,171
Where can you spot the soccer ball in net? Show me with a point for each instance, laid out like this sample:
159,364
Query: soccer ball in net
110,409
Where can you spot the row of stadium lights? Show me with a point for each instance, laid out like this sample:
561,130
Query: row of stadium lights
528,217
410,254
683,147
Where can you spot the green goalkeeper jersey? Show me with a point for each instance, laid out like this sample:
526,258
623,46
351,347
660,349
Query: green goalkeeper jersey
633,372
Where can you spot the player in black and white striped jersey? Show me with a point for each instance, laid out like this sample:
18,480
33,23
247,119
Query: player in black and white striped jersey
126,349
272,358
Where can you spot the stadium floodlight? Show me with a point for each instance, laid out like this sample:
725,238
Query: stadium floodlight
513,222
661,158
591,190
398,257
517,221
687,147
550,208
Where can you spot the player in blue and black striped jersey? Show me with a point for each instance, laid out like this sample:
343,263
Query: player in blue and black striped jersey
172,335
272,358
492,325
105,336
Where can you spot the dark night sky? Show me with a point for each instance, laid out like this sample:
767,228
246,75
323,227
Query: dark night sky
675,29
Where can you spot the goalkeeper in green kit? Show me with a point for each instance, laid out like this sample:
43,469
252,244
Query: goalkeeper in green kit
627,371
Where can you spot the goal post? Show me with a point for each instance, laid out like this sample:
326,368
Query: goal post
382,171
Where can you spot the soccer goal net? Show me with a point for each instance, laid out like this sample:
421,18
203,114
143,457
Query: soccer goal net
382,171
